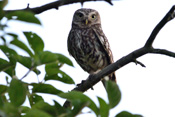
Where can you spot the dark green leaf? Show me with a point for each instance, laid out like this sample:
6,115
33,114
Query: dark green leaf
104,108
26,16
45,88
41,105
11,110
17,92
7,67
64,59
37,113
35,42
1,102
3,89
3,3
114,94
4,98
24,109
54,73
13,35
34,98
127,114
75,96
61,109
6,79
21,45
2,37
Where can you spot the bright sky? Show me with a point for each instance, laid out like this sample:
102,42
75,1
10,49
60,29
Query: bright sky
127,24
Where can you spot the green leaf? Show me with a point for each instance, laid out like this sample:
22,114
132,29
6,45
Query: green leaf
64,59
28,62
114,94
17,92
104,108
7,67
67,80
26,16
35,42
11,110
1,102
3,89
34,98
52,68
41,105
78,97
53,73
2,37
10,53
21,45
78,106
12,34
24,109
45,88
61,109
127,114
47,57
64,77
3,3
36,113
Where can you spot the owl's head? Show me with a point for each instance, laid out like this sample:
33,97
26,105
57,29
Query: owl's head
84,18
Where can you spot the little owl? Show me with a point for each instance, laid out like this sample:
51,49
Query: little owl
88,44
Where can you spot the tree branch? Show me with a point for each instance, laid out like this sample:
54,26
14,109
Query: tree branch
164,52
147,48
54,5
169,16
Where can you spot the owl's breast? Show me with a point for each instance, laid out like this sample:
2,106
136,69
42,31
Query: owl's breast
88,51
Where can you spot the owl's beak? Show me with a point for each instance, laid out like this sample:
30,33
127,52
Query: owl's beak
86,21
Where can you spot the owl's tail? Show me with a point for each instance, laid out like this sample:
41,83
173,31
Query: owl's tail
111,77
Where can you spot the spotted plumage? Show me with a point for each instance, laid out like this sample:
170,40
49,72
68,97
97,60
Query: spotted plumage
88,44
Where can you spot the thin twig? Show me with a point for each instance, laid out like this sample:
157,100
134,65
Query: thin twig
163,52
27,72
169,16
140,63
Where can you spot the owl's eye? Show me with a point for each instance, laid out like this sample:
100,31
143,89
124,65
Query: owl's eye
80,15
93,16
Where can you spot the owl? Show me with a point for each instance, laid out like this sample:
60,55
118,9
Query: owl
88,44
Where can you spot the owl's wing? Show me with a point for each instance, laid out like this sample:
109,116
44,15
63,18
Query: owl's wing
105,44
69,42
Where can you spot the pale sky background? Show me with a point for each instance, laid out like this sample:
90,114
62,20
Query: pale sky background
127,24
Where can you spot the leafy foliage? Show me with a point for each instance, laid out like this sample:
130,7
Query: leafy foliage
14,93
